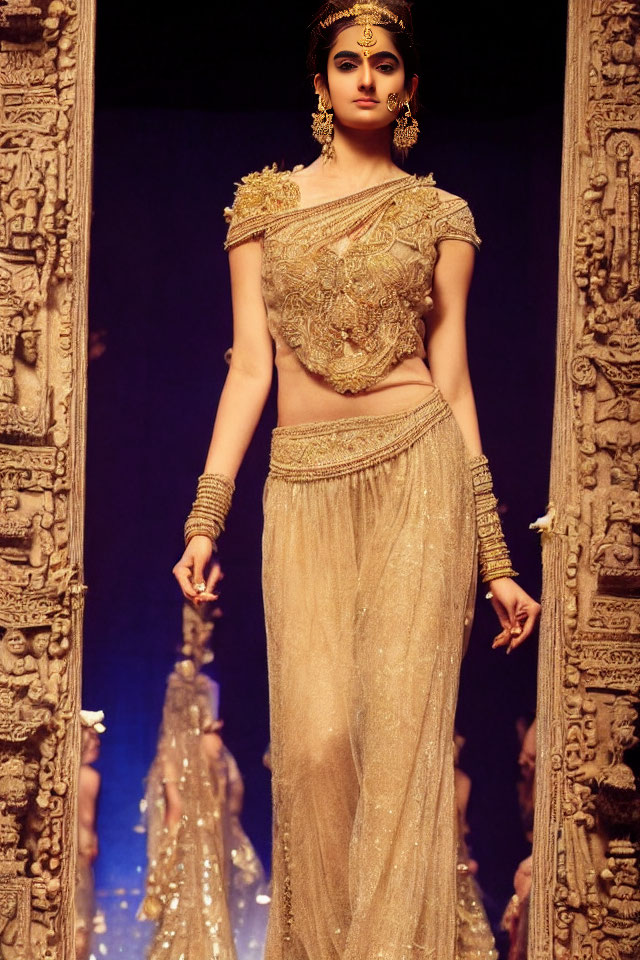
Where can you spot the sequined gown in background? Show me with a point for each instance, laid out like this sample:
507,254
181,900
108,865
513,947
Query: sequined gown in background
187,879
369,571
248,887
474,939
84,906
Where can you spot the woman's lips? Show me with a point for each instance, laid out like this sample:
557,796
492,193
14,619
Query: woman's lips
366,102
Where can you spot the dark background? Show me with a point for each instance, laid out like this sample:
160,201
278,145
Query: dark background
188,99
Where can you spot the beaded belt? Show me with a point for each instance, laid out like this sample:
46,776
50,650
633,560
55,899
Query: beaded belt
335,448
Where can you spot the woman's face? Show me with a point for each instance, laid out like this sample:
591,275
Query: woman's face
359,86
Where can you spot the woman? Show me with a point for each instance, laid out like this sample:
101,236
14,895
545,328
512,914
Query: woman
377,501
88,793
474,939
205,884
187,883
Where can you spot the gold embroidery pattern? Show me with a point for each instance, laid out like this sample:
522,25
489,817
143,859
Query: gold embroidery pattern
267,192
286,889
459,225
336,448
347,283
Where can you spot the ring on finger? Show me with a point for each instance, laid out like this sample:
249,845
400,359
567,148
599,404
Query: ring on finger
200,587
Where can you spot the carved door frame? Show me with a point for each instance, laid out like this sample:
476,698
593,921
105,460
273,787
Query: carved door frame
46,104
585,844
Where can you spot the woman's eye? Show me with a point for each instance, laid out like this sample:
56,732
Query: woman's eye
386,67
346,65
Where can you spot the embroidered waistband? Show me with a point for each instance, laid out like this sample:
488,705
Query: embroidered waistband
335,448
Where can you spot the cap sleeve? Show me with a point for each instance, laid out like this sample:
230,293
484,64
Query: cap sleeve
457,223
258,197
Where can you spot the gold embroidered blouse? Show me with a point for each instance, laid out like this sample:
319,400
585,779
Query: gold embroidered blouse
348,282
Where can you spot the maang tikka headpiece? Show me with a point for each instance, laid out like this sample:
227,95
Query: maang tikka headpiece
367,15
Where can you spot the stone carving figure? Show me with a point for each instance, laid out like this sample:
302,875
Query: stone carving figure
13,524
15,659
7,362
8,922
27,699
622,737
619,548
26,360
621,53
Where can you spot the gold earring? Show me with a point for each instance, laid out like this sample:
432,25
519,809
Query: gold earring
406,133
392,102
322,128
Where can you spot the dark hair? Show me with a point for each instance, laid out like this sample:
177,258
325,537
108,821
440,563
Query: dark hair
321,39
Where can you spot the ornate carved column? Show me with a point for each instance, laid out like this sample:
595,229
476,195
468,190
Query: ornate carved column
46,101
586,899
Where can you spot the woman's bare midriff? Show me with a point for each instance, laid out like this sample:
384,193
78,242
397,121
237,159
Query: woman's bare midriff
304,397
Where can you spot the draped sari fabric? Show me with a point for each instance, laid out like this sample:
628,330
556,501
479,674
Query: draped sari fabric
369,579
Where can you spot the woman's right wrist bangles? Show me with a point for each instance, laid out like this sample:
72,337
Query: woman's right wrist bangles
493,554
210,508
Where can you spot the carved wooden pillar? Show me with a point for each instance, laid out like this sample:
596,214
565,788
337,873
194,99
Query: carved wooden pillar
586,898
46,100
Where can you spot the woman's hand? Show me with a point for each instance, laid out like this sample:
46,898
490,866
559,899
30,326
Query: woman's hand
190,569
516,611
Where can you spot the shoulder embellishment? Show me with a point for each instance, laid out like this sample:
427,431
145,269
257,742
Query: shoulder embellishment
268,191
457,223
415,205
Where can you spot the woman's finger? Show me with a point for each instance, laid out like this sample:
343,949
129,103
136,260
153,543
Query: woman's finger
501,612
511,628
182,573
198,570
508,622
527,627
215,575
207,595
203,594
511,613
504,636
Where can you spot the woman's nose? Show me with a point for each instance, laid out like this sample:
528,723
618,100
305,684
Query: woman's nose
366,76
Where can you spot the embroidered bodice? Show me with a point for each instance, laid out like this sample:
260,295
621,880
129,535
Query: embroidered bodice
347,283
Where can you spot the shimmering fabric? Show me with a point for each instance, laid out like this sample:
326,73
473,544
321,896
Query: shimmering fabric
248,888
187,875
474,939
347,283
369,558
84,904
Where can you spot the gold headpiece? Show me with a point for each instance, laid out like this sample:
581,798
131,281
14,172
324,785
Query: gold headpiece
367,15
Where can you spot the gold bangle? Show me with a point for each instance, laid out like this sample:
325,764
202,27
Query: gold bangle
493,555
210,508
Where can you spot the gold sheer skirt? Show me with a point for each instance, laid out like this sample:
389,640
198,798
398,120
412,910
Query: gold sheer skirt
369,556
